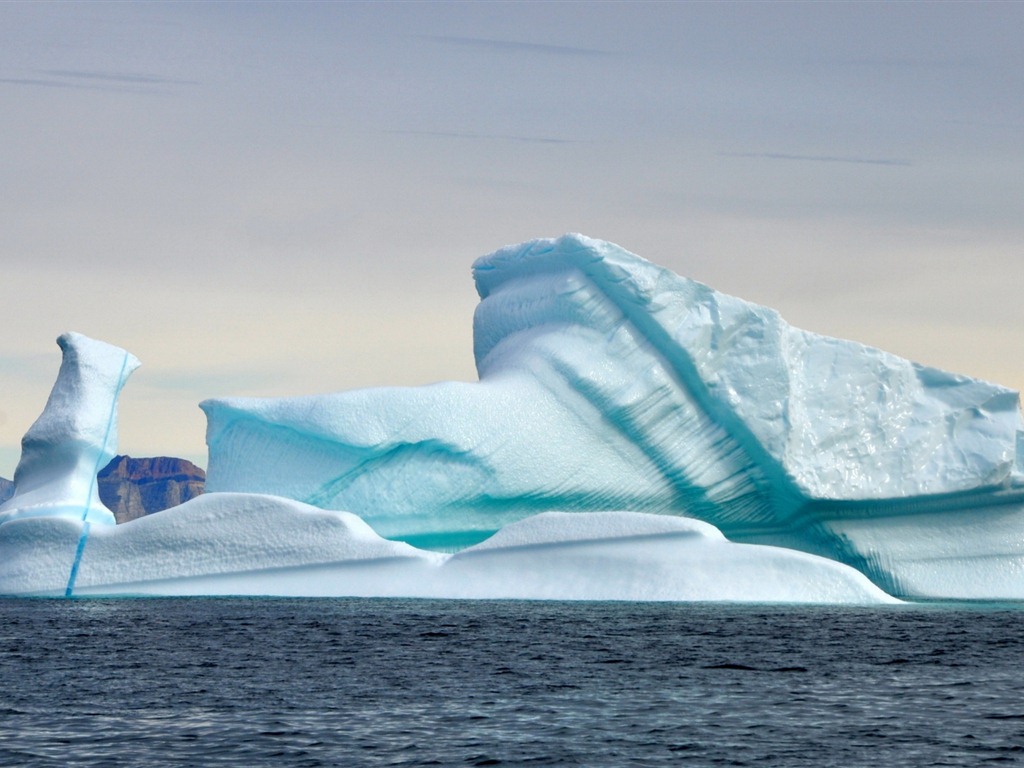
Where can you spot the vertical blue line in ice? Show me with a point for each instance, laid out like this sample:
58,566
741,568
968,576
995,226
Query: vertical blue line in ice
78,558
83,538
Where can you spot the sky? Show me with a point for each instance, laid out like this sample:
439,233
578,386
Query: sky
277,199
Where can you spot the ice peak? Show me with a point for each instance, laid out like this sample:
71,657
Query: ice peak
74,437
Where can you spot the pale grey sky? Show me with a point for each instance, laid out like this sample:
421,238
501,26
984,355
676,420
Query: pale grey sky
284,198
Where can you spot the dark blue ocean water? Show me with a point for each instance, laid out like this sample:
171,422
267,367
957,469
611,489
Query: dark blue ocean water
261,682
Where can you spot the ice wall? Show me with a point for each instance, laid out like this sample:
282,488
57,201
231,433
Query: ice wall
608,383
74,437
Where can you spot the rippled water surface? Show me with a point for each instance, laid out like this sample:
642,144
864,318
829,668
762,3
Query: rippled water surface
405,683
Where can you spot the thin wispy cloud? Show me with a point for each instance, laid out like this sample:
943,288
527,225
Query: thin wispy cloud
490,136
903,62
986,123
133,78
111,82
820,158
38,82
518,46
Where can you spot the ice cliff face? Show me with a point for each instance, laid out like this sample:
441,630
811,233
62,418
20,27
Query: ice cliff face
609,383
75,436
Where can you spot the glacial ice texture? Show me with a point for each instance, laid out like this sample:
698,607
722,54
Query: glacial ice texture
74,437
239,544
609,383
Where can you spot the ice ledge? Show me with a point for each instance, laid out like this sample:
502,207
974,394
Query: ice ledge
248,544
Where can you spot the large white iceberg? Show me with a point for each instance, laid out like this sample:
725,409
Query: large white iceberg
56,538
606,384
609,383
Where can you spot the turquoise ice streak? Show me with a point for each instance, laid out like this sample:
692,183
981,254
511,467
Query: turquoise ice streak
100,460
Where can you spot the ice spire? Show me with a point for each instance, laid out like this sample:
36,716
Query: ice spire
75,436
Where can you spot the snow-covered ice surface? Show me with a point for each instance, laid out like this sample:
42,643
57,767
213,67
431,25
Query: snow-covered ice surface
609,383
238,544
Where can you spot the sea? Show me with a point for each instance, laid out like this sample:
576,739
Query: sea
374,682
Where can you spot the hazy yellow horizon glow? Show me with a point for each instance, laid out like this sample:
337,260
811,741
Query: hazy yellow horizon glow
273,199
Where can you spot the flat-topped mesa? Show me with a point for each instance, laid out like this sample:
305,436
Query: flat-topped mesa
75,436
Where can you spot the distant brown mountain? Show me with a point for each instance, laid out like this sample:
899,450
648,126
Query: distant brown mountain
132,488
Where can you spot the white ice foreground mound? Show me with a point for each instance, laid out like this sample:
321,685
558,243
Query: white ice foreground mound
608,383
238,544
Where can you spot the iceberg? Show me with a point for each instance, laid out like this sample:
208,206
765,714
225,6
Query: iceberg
74,438
608,383
634,435
56,538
